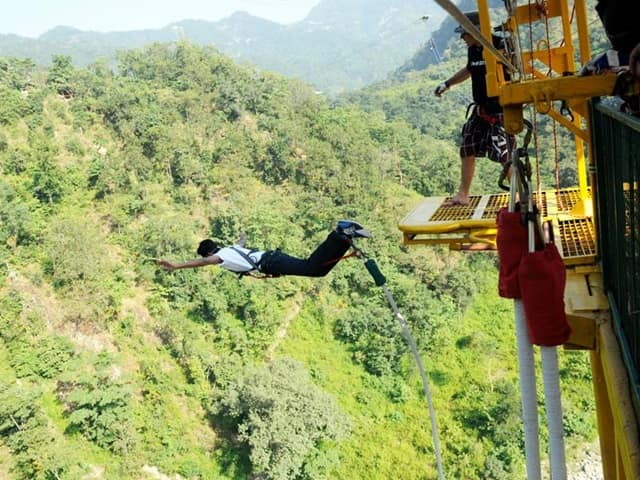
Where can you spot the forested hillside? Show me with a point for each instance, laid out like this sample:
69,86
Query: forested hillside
111,368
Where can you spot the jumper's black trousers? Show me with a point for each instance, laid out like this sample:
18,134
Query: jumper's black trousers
319,263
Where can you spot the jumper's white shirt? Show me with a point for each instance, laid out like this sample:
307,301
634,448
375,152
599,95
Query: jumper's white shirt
234,262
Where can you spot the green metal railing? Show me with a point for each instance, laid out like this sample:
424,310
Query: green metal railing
616,138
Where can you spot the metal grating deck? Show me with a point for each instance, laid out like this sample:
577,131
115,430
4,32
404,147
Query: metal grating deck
575,240
456,212
566,200
495,203
473,226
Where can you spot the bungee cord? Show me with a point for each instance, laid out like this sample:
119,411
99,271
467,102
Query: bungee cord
381,281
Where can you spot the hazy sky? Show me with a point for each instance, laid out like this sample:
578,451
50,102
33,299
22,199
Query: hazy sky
31,18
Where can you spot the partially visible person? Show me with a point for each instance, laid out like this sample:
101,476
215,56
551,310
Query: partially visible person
483,134
634,66
620,21
241,260
628,84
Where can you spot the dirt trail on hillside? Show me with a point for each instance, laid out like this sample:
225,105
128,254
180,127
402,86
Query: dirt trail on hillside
284,328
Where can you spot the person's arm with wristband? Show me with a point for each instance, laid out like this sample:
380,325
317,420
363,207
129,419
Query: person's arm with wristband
458,77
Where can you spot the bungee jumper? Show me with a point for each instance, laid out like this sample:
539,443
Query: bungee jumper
274,263
318,264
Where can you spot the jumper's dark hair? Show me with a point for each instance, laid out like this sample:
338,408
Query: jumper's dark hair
207,248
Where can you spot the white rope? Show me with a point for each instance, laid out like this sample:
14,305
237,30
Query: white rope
528,393
527,371
551,382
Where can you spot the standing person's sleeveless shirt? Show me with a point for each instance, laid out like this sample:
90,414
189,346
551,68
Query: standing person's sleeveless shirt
477,67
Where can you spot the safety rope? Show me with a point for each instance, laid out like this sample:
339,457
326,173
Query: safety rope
537,151
542,9
515,162
533,114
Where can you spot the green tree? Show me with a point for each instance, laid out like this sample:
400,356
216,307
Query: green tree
17,223
13,107
47,179
38,451
99,408
61,75
16,73
283,419
81,268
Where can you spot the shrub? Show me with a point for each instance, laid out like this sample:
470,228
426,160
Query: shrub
282,418
99,409
42,357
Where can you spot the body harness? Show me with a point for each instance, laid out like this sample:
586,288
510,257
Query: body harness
254,265
480,112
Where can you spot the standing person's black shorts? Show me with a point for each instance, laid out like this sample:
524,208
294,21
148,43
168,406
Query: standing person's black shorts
484,136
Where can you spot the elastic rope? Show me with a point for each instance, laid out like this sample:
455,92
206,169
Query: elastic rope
380,281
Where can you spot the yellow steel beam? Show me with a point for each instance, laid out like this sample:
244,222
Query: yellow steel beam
582,168
604,415
580,106
583,330
583,30
542,93
489,58
557,58
625,425
566,31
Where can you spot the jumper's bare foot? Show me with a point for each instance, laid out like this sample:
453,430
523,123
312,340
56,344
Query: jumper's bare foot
457,200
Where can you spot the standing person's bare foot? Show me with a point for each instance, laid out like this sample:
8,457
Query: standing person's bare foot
457,200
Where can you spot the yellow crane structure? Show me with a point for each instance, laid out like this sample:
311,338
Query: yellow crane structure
596,224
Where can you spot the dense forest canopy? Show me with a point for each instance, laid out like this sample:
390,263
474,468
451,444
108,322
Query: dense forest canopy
112,368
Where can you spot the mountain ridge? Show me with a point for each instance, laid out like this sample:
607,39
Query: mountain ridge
339,46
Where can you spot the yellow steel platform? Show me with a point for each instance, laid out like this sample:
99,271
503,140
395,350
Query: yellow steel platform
473,226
